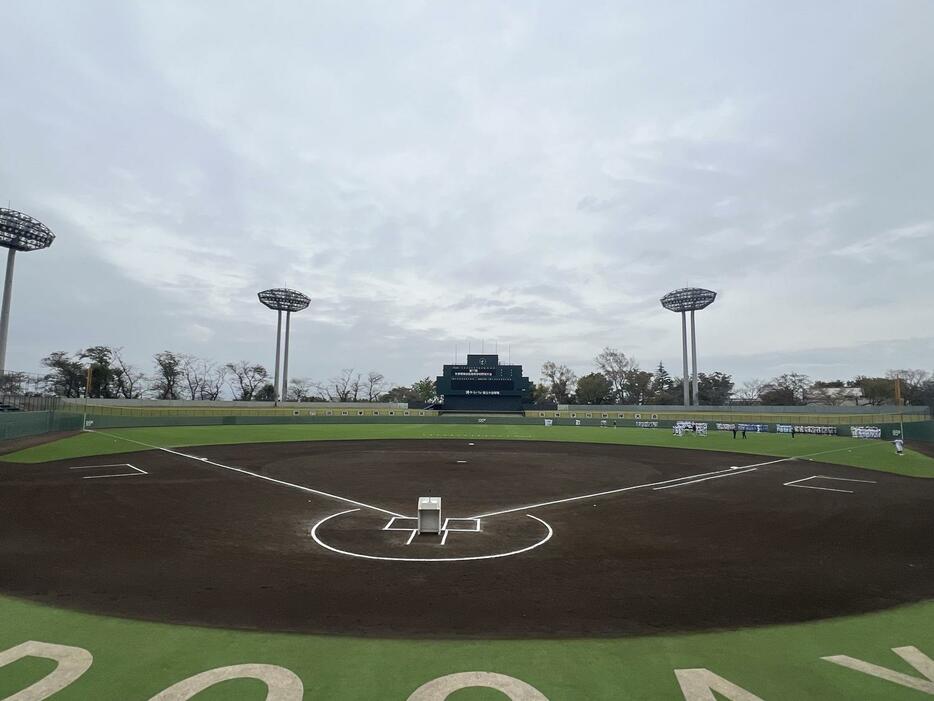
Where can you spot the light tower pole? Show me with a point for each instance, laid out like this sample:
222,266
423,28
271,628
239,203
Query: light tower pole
688,299
281,300
18,232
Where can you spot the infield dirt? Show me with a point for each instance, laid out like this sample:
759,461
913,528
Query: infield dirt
193,543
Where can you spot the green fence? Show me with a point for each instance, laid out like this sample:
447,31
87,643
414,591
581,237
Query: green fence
17,424
920,431
108,420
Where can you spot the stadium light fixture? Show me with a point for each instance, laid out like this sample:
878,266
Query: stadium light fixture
18,232
281,300
688,299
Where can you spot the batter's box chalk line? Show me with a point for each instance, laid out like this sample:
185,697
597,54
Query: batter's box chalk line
114,470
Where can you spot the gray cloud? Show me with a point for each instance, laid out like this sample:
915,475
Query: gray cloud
433,173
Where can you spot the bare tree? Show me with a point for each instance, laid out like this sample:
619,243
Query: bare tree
616,367
750,390
204,379
14,383
193,370
301,389
343,388
910,378
560,380
214,382
830,396
375,386
246,379
128,380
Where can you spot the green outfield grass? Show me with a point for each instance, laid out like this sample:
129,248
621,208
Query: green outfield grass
876,455
135,660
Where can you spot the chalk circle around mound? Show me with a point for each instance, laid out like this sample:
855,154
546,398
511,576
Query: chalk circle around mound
548,533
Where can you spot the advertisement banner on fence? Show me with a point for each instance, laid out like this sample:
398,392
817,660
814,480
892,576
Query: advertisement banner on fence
755,428
865,432
647,424
814,430
695,427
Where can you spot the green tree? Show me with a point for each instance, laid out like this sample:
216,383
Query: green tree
636,386
66,374
877,390
424,389
540,393
400,394
661,391
594,388
168,375
103,375
714,389
266,393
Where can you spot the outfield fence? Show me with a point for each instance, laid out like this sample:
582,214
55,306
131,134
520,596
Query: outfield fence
917,424
33,423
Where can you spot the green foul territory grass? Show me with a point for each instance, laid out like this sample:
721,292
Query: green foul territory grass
134,660
876,455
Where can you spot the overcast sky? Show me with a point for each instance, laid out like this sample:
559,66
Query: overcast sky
429,173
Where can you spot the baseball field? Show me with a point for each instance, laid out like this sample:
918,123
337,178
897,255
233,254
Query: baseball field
285,562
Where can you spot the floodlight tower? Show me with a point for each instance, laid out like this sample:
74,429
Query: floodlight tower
283,300
688,299
18,232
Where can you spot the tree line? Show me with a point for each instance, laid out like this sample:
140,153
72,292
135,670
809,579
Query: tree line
617,379
174,375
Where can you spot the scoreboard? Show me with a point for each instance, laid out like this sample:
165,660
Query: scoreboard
482,384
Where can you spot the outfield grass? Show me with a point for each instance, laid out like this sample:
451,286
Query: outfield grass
135,660
875,455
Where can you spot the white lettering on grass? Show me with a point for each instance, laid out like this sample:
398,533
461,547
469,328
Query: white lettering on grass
72,663
442,687
699,685
911,655
282,685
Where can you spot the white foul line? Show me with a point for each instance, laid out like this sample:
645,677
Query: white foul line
731,473
492,513
256,475
314,535
669,481
846,479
